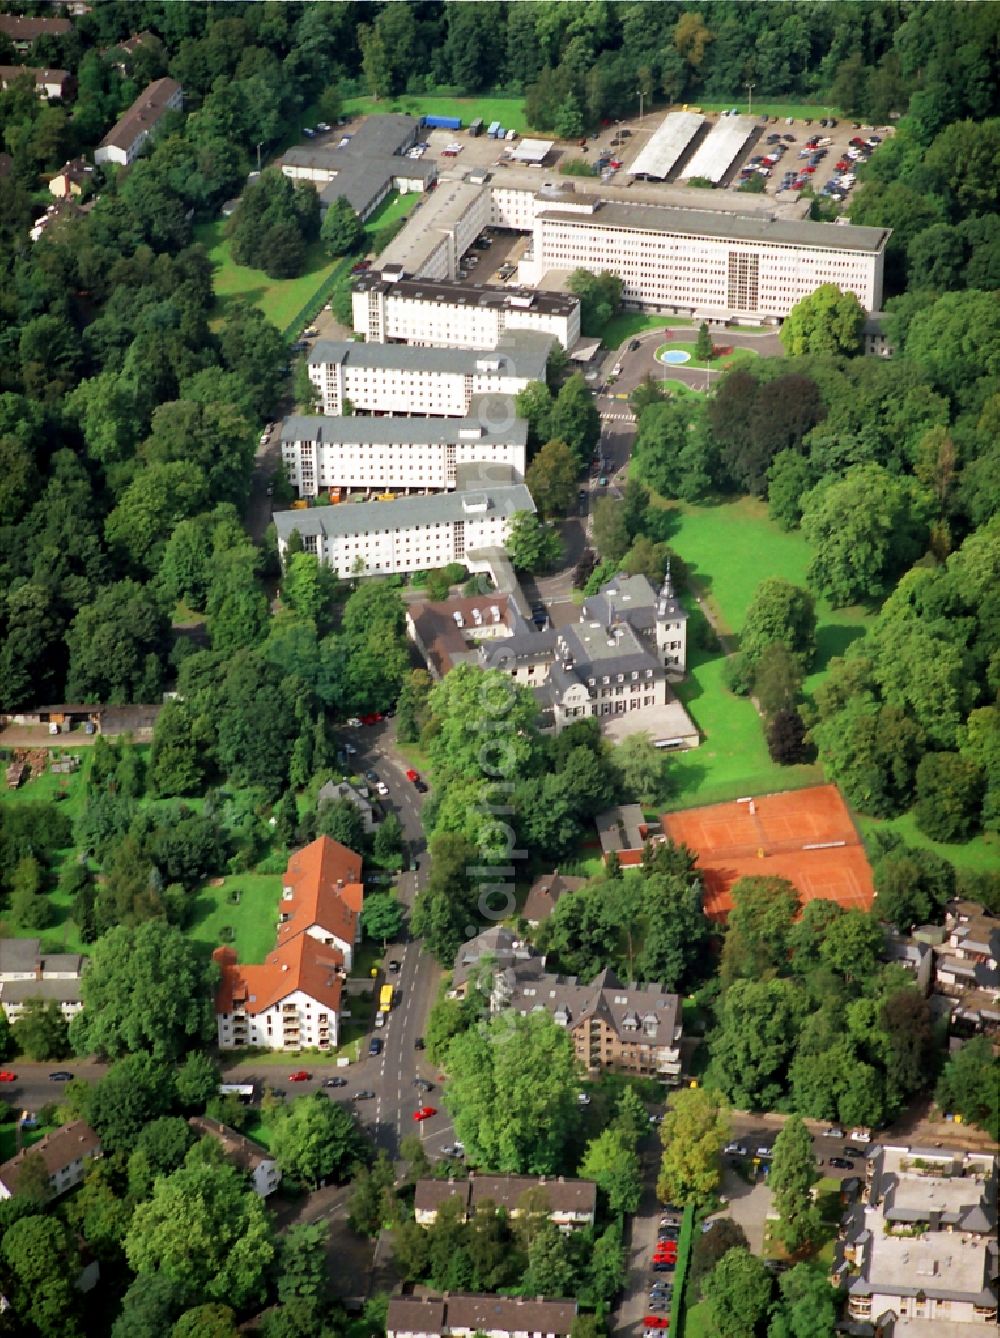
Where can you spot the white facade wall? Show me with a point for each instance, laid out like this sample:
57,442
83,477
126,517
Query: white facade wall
385,552
400,467
667,271
123,156
403,390
513,206
14,1008
384,316
266,1178
297,1022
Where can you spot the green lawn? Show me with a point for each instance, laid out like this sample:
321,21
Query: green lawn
46,789
698,1321
800,110
8,1138
393,207
628,324
254,919
508,111
981,855
280,299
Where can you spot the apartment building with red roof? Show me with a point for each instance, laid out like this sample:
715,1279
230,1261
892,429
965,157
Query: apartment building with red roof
291,1000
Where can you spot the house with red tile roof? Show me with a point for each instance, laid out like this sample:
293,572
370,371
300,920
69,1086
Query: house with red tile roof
322,895
291,1001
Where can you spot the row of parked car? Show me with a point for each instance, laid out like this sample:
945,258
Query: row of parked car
661,1292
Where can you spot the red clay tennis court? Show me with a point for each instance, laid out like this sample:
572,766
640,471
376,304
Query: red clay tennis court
806,836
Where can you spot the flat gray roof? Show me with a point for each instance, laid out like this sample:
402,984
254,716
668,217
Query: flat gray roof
724,141
462,293
522,353
940,1264
729,227
333,522
403,431
666,144
439,213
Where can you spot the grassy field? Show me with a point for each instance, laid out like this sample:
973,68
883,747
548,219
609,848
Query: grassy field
8,1138
697,1321
393,207
508,111
253,920
981,855
801,111
628,324
279,299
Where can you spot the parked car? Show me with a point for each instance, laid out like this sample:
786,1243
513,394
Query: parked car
424,1084
366,1094
300,1075
670,1232
322,125
308,132
413,776
381,788
664,1265
375,1045
842,1163
736,1150
833,1132
418,1044
371,777
657,1304
849,1151
656,1322
7,1076
393,964
334,1082
424,1113
420,786
61,1075
453,1150
583,1098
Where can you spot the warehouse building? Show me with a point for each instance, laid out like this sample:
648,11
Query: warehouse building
402,454
437,382
364,167
446,313
413,533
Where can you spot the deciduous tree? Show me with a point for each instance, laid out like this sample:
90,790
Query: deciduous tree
694,1131
827,321
793,1171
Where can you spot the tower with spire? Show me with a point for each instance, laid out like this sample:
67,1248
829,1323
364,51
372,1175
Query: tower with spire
671,628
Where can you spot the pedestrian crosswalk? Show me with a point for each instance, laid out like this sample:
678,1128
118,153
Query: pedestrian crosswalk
617,417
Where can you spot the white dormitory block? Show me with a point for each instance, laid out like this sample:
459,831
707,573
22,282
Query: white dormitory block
400,454
447,313
438,382
411,534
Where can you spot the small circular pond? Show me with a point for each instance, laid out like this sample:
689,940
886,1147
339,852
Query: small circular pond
673,356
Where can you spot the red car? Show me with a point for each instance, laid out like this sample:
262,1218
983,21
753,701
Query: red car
656,1321
413,776
372,719
7,1076
424,1113
301,1076
668,1250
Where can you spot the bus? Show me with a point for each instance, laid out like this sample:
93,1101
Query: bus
384,1005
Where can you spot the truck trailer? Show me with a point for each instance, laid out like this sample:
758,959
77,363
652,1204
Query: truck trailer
443,122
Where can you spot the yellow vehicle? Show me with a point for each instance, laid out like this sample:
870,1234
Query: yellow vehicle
384,1005
300,504
386,497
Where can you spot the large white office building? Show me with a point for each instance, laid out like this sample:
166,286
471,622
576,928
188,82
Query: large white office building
447,313
439,382
369,454
686,261
412,533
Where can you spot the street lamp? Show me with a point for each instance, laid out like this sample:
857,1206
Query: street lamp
640,94
258,155
750,88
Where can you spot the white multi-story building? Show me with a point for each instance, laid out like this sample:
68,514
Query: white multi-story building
401,454
413,533
254,1161
127,137
458,1315
290,1001
714,265
447,313
26,973
436,382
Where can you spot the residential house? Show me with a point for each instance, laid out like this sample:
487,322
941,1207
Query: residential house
920,1254
916,956
72,179
290,1001
65,1154
48,83
570,1204
624,831
630,1028
24,31
334,790
321,895
448,632
126,139
462,1315
967,969
28,973
249,1157
122,53
545,893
